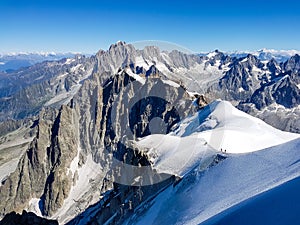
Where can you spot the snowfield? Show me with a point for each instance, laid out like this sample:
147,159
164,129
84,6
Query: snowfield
259,158
276,206
227,128
200,137
237,178
177,155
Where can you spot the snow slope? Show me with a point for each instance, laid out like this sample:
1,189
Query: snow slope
177,155
200,137
271,207
232,181
203,194
224,126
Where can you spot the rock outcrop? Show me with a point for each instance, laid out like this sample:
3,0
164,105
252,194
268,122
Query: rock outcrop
42,170
26,218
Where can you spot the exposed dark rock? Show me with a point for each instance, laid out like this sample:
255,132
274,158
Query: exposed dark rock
26,218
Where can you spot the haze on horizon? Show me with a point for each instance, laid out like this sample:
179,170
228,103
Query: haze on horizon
201,26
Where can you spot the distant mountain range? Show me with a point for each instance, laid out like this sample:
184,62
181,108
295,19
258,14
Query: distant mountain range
15,61
267,54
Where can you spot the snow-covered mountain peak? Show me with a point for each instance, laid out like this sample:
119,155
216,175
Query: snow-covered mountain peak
212,54
225,127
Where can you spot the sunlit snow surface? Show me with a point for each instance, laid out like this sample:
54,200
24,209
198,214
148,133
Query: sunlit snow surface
237,178
200,137
277,206
227,128
263,158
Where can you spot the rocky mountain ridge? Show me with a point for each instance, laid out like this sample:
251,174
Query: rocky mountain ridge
248,82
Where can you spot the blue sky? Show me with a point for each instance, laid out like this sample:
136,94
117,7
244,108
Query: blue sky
89,25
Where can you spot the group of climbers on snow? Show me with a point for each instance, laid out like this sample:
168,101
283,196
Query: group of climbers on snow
223,150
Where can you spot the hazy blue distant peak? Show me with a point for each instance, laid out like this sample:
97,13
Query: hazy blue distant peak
267,54
262,54
16,60
41,53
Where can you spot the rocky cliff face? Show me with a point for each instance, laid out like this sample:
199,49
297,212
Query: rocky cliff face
276,101
98,124
42,170
284,92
